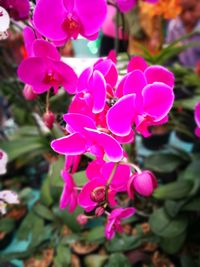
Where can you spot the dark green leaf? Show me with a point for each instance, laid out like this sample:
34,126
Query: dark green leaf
164,226
96,233
7,225
45,193
173,207
173,245
118,260
43,212
193,205
123,243
163,162
63,257
174,190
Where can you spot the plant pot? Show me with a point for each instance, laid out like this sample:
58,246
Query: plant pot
156,141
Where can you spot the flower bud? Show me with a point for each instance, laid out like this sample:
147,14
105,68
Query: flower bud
82,219
99,211
28,93
143,183
49,119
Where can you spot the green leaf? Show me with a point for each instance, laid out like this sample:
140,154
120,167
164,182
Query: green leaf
193,205
95,260
173,207
123,243
7,225
26,145
97,233
26,226
187,261
192,171
45,193
118,260
164,226
43,212
163,162
174,190
54,172
69,218
173,245
63,257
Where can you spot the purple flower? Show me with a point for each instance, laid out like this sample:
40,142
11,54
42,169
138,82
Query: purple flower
197,119
114,221
3,161
67,19
126,5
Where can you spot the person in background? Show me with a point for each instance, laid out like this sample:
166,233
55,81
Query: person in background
187,22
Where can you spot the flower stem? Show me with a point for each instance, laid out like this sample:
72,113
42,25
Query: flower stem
132,165
110,179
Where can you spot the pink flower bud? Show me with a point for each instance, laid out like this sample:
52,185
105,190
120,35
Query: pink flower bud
28,93
143,183
82,219
99,211
49,119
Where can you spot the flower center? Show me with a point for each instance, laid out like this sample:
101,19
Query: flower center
51,78
71,26
1,155
98,194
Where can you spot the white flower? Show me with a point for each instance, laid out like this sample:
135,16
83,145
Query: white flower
4,20
9,197
3,162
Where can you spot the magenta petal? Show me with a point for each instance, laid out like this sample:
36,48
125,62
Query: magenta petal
158,100
159,74
134,83
68,78
109,71
93,169
48,18
127,212
42,48
84,78
120,88
69,5
78,122
73,144
98,90
111,147
87,11
121,115
137,63
85,199
39,67
197,114
125,139
29,37
125,5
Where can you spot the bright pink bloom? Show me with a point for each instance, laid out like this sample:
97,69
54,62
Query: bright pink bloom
94,192
114,221
143,183
72,163
70,194
84,137
146,97
67,19
47,70
17,9
197,119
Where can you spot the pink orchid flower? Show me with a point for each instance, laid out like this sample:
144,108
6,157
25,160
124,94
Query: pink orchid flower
70,194
143,183
67,19
47,70
93,193
72,163
114,221
85,137
17,9
197,119
145,98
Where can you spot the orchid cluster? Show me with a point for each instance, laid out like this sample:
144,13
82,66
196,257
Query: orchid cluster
105,113
197,119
